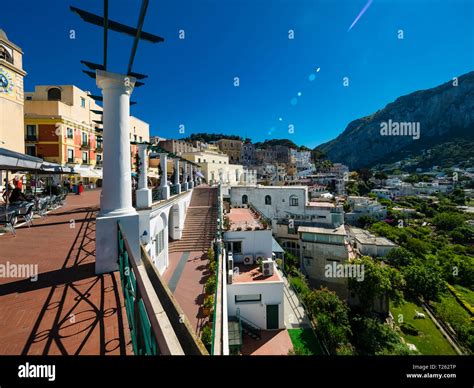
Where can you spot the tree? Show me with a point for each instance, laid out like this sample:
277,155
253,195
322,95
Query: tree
331,314
424,279
399,257
448,221
373,337
379,281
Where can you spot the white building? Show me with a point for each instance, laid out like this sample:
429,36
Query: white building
301,159
370,245
287,202
254,290
364,206
322,247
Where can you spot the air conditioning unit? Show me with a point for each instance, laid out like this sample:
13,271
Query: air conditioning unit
248,259
267,267
230,275
230,260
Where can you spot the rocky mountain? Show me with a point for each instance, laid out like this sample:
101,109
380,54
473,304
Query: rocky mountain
408,126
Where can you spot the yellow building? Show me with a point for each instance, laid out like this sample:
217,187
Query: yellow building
215,166
232,148
63,125
11,95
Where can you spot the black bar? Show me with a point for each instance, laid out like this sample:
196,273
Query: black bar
141,20
115,26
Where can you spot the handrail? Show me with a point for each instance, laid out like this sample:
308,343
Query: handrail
247,321
144,327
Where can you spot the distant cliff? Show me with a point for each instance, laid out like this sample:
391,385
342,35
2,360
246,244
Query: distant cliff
441,114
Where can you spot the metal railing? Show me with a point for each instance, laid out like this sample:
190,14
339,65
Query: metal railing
218,251
144,327
263,217
174,190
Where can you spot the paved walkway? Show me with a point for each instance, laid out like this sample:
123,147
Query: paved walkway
294,313
68,309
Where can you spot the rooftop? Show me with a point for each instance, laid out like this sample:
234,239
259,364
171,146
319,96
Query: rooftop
339,231
253,273
321,204
367,238
243,218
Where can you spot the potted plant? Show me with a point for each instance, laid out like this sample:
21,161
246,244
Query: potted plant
206,336
208,305
210,286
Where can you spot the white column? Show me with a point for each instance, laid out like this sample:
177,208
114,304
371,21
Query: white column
143,193
165,189
116,199
191,176
185,176
176,176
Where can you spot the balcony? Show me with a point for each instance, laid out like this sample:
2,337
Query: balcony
98,148
85,146
31,138
70,160
98,163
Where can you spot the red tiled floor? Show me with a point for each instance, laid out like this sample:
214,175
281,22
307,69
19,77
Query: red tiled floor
272,343
69,309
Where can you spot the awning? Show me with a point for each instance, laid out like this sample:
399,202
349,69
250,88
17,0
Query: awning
15,161
199,174
276,248
85,172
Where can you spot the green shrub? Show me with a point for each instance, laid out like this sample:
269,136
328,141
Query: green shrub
210,286
409,329
206,336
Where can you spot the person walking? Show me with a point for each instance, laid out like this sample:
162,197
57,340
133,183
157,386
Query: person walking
80,188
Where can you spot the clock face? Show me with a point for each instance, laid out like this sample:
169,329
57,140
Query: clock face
6,81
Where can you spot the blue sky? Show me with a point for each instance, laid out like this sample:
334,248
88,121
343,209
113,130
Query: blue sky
191,81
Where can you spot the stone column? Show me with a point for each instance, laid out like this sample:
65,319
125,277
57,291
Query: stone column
165,189
185,176
116,199
176,176
143,192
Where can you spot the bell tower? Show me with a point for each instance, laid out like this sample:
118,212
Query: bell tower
12,129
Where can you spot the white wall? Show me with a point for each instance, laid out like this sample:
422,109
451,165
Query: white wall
158,218
256,312
253,242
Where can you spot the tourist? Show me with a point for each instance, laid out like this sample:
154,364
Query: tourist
16,196
18,182
80,188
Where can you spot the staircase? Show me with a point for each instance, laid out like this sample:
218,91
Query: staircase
200,224
249,328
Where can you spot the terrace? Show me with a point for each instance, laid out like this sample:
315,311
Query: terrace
239,219
253,273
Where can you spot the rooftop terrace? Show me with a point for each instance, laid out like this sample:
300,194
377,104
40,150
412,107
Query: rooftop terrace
245,219
253,273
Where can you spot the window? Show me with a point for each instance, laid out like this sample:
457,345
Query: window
54,94
70,133
98,158
268,200
160,242
84,138
31,132
31,150
134,137
83,102
308,261
245,199
6,54
248,298
85,157
234,247
29,98
70,155
293,200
